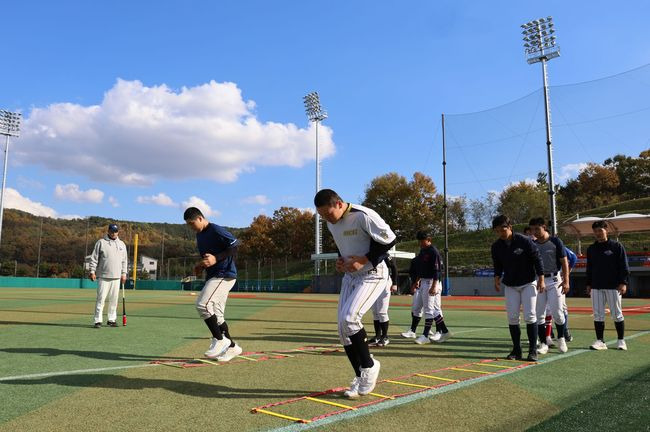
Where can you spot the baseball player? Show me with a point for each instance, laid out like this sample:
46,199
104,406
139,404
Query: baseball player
556,280
416,307
429,265
380,308
517,263
217,248
363,240
607,280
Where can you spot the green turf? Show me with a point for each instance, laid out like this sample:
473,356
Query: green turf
45,331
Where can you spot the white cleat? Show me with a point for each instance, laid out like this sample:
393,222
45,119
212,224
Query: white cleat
217,347
598,346
435,337
409,334
542,348
231,353
353,391
549,342
561,345
445,337
421,340
621,345
369,377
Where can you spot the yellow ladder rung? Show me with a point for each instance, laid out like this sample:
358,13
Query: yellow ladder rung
279,354
435,377
172,364
472,370
207,361
247,358
330,403
381,396
286,417
407,384
493,365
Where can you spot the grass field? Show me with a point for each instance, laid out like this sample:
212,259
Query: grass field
59,374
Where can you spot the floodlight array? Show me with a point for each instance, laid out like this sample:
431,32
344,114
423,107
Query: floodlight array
539,41
9,123
312,107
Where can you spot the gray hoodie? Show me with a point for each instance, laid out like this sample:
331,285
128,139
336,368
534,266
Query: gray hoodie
109,259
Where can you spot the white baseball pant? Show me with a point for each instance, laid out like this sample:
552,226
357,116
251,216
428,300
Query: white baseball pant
417,307
431,302
359,291
550,301
380,308
213,296
518,296
107,288
610,296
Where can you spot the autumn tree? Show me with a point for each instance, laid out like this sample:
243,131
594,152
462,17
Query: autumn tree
523,201
595,186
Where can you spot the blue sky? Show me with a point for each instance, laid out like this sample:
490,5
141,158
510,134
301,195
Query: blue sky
135,109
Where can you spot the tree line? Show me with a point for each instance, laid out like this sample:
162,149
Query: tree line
408,205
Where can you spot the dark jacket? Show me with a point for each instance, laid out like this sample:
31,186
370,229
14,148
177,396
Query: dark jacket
607,265
519,262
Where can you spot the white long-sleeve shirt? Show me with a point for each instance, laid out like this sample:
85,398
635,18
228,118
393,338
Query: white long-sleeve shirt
109,258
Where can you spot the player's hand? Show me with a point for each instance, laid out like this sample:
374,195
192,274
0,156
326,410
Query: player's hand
355,263
414,287
208,260
393,289
565,286
340,264
622,289
198,270
497,284
541,288
123,279
588,290
92,277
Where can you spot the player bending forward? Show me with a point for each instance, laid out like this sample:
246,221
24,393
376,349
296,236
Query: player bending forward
217,248
363,240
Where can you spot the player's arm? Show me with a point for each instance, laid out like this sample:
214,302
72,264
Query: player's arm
94,259
565,275
539,266
624,270
498,267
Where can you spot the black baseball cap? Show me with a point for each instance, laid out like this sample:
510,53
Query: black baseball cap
113,228
422,235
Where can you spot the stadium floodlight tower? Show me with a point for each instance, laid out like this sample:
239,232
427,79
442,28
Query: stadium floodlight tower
316,114
539,44
9,126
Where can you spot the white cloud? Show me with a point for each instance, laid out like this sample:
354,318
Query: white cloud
161,199
72,192
199,203
256,199
139,134
14,200
113,201
570,171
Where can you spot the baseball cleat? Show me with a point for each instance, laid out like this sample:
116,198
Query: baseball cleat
532,356
409,334
542,348
374,341
230,353
383,341
435,337
621,345
598,346
98,325
561,345
353,391
217,347
368,378
549,342
514,355
444,337
421,340
111,324
567,336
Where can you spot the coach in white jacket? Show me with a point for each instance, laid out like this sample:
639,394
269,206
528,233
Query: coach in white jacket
108,264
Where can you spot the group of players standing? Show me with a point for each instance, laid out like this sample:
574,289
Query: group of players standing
534,275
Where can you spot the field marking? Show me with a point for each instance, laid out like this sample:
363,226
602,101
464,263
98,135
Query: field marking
74,372
427,393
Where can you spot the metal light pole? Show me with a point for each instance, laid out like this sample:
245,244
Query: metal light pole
539,44
9,126
316,114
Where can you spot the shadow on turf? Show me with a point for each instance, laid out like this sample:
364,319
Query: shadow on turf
190,388
101,355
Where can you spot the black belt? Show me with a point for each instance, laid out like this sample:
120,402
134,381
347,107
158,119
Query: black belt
551,274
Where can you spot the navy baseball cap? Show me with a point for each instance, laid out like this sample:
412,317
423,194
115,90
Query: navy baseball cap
113,228
422,235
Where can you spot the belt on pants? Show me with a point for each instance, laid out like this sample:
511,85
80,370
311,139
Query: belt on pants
551,274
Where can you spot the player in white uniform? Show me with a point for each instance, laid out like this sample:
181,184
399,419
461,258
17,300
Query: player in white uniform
554,262
380,308
416,307
363,240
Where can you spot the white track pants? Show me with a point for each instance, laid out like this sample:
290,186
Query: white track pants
212,300
610,296
516,297
551,301
358,293
107,288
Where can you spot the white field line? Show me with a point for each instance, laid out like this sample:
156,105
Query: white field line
74,372
427,393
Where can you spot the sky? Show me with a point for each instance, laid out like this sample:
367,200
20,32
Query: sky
135,110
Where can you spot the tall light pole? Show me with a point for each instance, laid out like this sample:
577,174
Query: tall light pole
316,114
9,126
539,45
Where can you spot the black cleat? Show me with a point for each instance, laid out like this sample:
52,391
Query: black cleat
97,325
568,337
532,356
514,355
111,324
